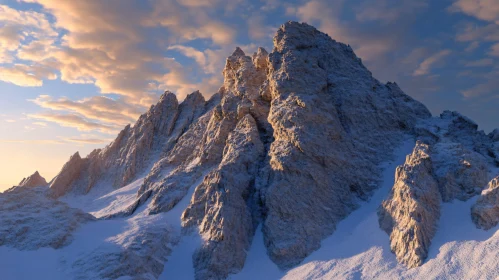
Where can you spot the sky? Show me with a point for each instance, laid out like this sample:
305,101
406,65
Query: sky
74,73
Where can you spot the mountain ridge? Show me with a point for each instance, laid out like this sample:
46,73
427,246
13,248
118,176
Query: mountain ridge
293,142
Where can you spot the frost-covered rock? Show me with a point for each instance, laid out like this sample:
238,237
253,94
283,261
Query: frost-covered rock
34,180
140,252
221,205
461,173
135,149
412,210
293,140
333,124
485,212
460,159
30,219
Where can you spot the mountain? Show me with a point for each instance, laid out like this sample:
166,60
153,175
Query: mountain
274,175
35,180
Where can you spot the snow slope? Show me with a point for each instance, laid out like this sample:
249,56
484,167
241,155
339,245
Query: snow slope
103,241
359,249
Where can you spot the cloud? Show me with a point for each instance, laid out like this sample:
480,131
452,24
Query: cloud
100,109
425,66
42,141
191,52
75,121
494,50
488,85
474,33
104,43
257,30
386,11
480,63
487,10
60,141
369,44
88,140
472,46
26,76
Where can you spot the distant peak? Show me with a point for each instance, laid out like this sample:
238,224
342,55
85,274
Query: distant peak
194,96
35,180
238,52
261,51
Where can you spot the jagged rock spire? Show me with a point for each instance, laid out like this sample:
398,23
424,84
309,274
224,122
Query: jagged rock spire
34,180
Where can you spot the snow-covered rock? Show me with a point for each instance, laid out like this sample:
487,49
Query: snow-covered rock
461,173
140,252
485,212
134,150
34,180
411,212
30,219
333,124
459,160
221,206
292,143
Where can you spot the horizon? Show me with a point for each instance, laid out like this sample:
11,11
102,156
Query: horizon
73,75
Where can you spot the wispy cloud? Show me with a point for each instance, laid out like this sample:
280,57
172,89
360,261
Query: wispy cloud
482,9
76,121
426,65
480,63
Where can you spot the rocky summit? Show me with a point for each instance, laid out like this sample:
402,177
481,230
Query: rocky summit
293,145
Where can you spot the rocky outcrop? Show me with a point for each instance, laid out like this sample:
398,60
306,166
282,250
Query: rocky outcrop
30,219
333,123
485,211
139,253
459,158
293,140
70,172
35,180
221,205
461,173
135,149
412,210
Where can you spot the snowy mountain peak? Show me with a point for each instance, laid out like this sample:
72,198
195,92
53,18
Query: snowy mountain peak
286,171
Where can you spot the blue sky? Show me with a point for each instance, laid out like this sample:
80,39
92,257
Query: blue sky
73,73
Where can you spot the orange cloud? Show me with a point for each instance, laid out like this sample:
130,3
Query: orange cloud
76,121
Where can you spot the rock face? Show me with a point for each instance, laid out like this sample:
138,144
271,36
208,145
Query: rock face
321,90
411,212
140,253
255,152
135,148
31,219
220,205
461,173
452,156
293,140
68,174
35,180
485,212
